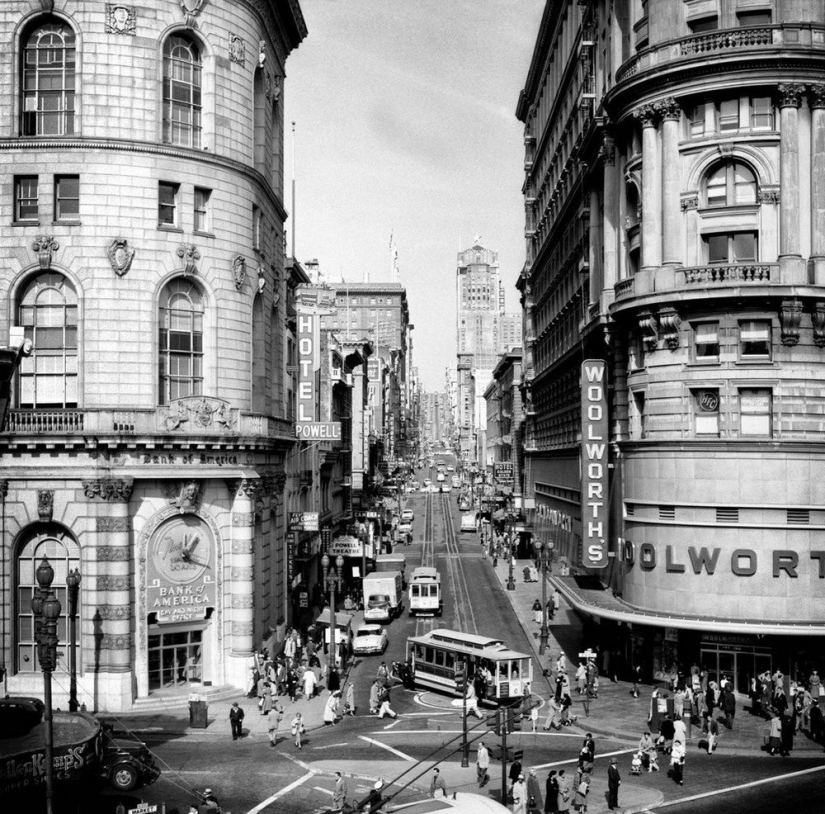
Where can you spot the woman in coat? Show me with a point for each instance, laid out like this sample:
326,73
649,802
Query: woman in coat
563,802
331,709
551,794
266,699
349,699
534,791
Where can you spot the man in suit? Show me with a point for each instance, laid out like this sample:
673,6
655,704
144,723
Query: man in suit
614,780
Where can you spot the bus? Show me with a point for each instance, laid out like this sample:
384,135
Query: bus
500,675
425,593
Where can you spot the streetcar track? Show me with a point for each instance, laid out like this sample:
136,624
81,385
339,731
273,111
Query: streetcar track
458,575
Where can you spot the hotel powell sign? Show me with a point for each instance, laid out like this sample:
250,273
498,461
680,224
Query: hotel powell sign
594,464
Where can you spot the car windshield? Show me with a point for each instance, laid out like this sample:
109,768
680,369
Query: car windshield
364,633
377,601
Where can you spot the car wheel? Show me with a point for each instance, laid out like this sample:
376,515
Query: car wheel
124,777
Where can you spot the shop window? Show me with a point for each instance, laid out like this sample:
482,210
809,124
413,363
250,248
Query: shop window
734,247
755,411
63,554
706,411
180,362
755,339
48,81
182,90
706,341
48,315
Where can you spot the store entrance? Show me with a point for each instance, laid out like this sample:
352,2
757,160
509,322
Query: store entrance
739,665
175,658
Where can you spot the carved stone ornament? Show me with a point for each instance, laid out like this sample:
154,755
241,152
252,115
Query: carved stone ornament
768,195
650,329
608,151
818,322
261,53
109,489
45,505
190,255
121,255
648,115
690,201
790,95
44,245
237,50
790,315
188,498
816,95
669,322
4,489
199,412
670,109
47,5
239,271
191,9
120,19
276,88
261,279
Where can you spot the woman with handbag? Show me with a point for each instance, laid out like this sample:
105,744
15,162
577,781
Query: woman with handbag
298,729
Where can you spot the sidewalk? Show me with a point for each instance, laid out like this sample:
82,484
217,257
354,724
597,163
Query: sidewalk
615,713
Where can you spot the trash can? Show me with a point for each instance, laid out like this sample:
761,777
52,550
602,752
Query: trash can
198,714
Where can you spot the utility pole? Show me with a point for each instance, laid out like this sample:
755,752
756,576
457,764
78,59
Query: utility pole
505,721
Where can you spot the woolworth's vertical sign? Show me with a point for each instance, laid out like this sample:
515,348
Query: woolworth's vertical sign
594,464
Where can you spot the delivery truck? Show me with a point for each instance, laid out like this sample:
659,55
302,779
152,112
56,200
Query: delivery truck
382,596
393,562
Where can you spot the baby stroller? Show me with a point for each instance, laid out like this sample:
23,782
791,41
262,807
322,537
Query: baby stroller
636,764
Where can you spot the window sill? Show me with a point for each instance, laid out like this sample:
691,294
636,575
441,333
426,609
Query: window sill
203,234
164,228
757,361
66,223
704,363
26,223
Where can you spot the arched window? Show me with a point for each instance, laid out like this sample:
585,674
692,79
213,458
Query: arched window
63,554
48,314
180,362
182,89
48,80
729,184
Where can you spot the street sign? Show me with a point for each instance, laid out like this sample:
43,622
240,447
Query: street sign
144,808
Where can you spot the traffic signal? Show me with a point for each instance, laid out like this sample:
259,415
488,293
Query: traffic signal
494,721
460,676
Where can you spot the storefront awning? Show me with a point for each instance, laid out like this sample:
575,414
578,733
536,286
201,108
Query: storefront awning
586,594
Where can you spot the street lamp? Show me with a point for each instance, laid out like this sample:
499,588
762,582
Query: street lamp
544,551
73,584
511,584
46,609
332,580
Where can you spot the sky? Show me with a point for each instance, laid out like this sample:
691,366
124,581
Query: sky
405,124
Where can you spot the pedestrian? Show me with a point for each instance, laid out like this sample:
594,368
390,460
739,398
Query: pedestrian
515,771
310,684
331,709
552,720
472,701
614,780
581,678
787,726
556,600
561,663
349,699
437,783
551,794
816,721
580,797
535,799
680,731
384,675
519,795
677,762
647,748
333,679
210,801
375,696
236,721
274,721
537,611
292,685
482,765
729,706
266,699
534,717
385,708
339,793
815,684
563,802
298,729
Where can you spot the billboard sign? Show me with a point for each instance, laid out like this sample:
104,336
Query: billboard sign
594,464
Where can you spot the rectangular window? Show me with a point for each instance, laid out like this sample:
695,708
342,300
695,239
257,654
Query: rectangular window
706,341
744,247
67,197
762,113
729,115
167,204
25,198
697,121
753,17
202,197
755,411
738,247
705,24
717,246
706,411
755,339
257,222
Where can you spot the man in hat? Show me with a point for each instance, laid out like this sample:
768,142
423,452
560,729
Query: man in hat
236,720
210,801
437,783
614,780
373,801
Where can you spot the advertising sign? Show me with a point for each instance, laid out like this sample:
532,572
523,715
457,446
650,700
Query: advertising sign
594,464
346,546
303,521
307,426
181,580
503,472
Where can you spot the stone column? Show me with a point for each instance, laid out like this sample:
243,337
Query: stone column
610,221
112,621
816,99
651,190
241,588
790,258
671,215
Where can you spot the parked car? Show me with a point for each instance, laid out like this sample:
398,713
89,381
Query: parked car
370,639
404,527
407,516
464,506
427,483
445,487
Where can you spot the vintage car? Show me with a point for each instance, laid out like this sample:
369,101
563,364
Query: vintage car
407,516
370,639
404,527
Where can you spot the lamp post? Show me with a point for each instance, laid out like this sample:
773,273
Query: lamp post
46,609
332,581
511,585
543,553
73,585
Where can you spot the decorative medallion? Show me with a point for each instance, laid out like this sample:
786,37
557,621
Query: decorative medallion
200,413
45,505
44,246
120,19
191,9
120,255
239,271
237,49
189,253
189,497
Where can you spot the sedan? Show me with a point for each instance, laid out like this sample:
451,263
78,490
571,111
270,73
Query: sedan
370,639
407,516
404,527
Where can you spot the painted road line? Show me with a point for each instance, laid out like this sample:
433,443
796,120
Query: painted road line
458,731
388,748
390,726
330,792
285,790
576,760
730,789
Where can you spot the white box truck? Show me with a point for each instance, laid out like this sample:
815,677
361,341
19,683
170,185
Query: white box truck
382,596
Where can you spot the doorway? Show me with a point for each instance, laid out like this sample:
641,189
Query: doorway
175,658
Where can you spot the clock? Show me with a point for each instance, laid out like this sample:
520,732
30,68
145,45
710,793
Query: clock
181,551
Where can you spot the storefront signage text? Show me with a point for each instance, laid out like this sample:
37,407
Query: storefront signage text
743,562
346,547
594,464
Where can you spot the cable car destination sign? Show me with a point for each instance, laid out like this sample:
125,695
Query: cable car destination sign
307,428
594,464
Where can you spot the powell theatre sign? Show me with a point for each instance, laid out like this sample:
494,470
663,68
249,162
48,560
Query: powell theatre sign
307,427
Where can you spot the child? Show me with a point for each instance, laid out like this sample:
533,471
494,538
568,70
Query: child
636,764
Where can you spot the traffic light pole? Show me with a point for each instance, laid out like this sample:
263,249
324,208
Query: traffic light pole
465,747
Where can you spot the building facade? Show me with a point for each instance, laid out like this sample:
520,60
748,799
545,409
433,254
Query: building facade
675,222
141,150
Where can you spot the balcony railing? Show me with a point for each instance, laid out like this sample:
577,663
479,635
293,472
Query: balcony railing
727,42
734,273
625,288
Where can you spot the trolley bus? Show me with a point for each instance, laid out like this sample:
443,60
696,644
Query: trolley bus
499,674
425,592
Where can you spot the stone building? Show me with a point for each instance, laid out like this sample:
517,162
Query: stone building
675,220
141,250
